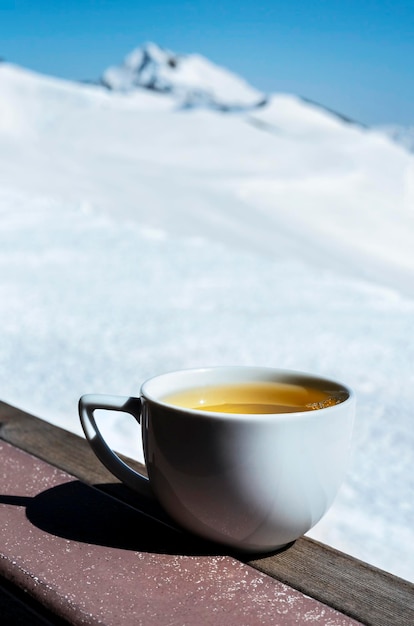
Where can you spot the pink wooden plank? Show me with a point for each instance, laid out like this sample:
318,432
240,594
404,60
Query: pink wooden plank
91,559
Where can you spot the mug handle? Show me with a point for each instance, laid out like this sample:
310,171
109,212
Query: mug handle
88,404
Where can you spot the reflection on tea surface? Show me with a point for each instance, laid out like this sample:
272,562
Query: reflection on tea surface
255,398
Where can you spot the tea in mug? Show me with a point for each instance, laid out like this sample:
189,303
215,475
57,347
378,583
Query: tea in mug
254,398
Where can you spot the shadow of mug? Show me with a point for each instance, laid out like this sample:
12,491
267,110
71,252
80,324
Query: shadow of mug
82,513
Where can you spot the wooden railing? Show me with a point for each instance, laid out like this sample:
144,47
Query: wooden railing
351,587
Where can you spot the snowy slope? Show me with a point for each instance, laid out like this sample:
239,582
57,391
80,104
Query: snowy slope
403,135
138,237
304,170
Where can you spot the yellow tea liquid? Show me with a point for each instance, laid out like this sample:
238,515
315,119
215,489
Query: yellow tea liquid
254,398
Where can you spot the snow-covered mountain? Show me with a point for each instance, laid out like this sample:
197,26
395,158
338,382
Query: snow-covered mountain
191,79
138,236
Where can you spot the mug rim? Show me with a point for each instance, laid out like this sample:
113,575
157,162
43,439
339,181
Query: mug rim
145,391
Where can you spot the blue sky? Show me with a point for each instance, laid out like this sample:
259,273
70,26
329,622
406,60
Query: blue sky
355,57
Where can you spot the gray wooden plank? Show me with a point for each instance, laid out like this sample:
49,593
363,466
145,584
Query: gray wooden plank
360,590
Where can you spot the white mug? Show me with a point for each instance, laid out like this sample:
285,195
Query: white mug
255,482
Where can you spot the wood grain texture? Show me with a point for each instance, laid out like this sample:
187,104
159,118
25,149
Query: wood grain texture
355,588
367,594
54,445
